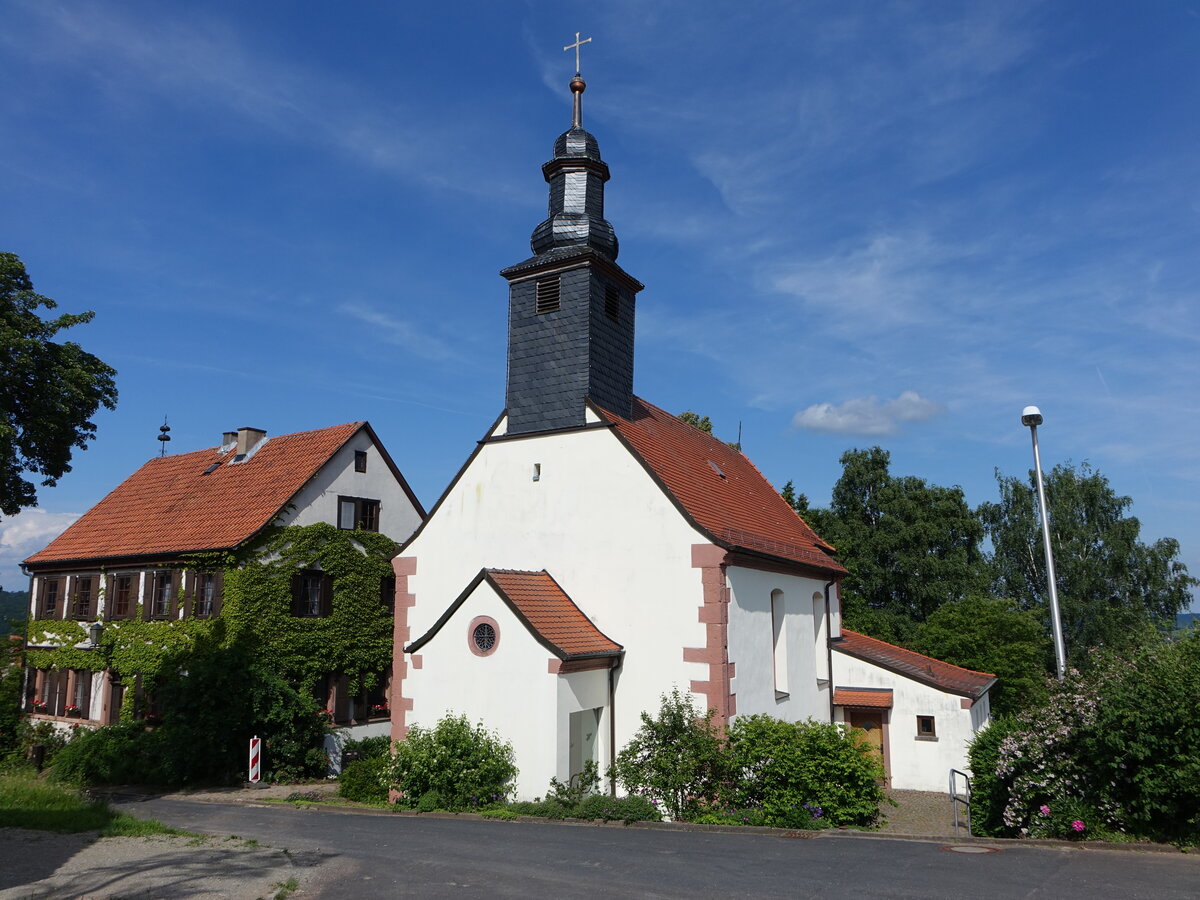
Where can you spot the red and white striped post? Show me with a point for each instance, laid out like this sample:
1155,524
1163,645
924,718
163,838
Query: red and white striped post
255,760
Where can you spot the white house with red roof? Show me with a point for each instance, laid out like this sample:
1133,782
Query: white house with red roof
920,712
132,555
595,551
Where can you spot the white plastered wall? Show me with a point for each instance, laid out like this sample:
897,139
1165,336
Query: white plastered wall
917,764
511,690
751,646
317,501
599,524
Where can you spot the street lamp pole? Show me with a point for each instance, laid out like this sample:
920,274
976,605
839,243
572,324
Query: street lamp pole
1032,417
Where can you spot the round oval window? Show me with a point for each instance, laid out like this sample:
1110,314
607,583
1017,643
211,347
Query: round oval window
484,636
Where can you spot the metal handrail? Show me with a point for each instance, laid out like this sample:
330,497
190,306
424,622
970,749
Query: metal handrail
964,799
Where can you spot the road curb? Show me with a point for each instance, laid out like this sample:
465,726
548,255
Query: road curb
695,827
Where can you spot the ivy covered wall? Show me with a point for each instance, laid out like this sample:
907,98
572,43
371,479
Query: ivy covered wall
354,639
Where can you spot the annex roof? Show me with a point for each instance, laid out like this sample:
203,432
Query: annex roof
719,489
925,669
545,609
191,502
877,698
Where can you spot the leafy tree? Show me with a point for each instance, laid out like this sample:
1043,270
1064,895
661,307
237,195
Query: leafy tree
704,423
676,758
991,634
909,546
48,391
798,502
1110,584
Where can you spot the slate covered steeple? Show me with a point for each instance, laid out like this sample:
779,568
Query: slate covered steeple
571,307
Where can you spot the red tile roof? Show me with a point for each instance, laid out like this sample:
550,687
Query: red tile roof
537,600
863,697
551,614
719,489
170,506
926,669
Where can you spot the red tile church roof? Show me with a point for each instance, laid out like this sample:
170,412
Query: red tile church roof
550,615
171,506
926,669
538,599
719,489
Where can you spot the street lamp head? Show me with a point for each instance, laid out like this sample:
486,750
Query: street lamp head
95,630
1031,416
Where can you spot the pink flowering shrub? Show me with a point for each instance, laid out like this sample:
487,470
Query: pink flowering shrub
1114,752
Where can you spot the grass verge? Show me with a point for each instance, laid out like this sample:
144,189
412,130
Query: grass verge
27,801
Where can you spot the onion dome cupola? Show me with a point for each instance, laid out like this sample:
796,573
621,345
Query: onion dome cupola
576,176
571,307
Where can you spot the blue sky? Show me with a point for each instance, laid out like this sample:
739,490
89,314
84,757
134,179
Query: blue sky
858,223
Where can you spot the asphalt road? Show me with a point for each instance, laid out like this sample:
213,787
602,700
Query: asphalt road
353,854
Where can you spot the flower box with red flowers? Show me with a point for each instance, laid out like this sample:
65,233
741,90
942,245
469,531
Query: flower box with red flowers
380,710
73,710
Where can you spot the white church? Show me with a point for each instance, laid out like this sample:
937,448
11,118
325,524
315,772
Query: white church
595,551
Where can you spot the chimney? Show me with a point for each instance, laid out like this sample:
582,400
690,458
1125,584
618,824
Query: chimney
248,439
228,439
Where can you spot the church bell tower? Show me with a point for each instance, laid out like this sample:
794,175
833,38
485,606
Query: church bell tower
570,306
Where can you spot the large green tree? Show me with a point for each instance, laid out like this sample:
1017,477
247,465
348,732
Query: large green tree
991,634
49,391
910,546
1111,585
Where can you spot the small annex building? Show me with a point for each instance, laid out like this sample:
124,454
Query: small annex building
133,557
921,713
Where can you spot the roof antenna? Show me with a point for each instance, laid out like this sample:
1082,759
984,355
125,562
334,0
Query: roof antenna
164,435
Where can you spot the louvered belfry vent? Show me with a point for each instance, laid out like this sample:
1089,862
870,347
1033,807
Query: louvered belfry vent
547,295
612,301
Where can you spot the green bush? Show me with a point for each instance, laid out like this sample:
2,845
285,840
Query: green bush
730,816
545,809
365,780
368,748
467,766
116,754
617,809
37,731
675,759
571,793
989,793
1113,753
801,772
209,718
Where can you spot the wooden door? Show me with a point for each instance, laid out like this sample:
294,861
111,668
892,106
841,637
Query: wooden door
870,723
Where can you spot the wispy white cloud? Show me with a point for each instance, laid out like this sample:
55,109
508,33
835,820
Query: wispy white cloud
401,332
867,416
28,532
202,62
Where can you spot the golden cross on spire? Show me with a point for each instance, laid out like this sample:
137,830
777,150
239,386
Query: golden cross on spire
578,43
